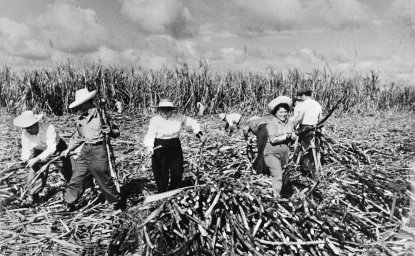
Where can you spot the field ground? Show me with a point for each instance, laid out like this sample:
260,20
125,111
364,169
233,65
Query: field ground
389,134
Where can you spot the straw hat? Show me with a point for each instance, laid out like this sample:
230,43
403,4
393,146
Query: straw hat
27,119
165,103
279,100
82,96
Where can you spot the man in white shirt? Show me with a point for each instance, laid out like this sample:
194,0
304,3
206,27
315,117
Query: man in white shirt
309,114
39,143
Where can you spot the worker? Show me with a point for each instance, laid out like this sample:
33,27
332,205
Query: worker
309,114
280,133
163,144
40,142
93,157
254,124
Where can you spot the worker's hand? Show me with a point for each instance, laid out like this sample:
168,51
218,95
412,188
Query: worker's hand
65,153
32,162
293,136
150,151
105,129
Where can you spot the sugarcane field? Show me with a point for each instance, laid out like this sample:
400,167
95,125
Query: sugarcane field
357,199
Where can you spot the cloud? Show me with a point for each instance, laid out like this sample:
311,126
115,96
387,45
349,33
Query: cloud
277,11
13,30
16,40
71,29
299,14
159,16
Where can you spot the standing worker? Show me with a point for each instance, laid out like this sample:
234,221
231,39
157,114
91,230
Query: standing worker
39,143
93,158
163,143
280,133
309,114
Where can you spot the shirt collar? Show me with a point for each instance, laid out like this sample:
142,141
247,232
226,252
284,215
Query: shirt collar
91,113
281,122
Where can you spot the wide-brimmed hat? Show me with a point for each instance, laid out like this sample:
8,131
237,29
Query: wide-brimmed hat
27,119
82,96
165,103
280,99
304,90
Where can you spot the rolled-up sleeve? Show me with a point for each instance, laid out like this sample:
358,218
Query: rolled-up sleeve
76,139
26,150
51,143
192,123
151,133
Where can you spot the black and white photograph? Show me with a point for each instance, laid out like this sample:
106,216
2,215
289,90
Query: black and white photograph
207,127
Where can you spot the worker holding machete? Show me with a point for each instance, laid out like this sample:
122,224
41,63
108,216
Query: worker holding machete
93,159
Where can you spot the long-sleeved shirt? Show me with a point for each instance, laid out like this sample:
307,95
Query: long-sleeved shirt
45,140
89,129
277,128
161,128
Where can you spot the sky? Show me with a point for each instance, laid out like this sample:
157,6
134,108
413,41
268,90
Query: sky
342,36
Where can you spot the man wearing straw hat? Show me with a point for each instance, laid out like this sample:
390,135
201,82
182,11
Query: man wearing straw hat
163,143
39,142
92,160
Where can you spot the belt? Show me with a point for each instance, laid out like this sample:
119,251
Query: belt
94,144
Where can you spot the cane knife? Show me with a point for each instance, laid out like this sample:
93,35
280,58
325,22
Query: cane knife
107,143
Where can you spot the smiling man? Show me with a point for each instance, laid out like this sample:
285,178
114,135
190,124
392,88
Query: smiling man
39,143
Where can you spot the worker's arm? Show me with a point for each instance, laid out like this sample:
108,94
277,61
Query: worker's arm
299,118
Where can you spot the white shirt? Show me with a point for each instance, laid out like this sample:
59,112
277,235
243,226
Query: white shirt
296,112
233,119
161,128
312,110
45,140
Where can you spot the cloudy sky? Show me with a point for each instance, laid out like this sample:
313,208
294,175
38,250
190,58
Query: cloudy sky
348,36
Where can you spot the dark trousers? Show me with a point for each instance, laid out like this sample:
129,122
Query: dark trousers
308,141
167,164
63,165
262,138
93,161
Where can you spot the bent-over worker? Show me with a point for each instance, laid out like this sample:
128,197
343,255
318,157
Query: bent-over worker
40,142
254,124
